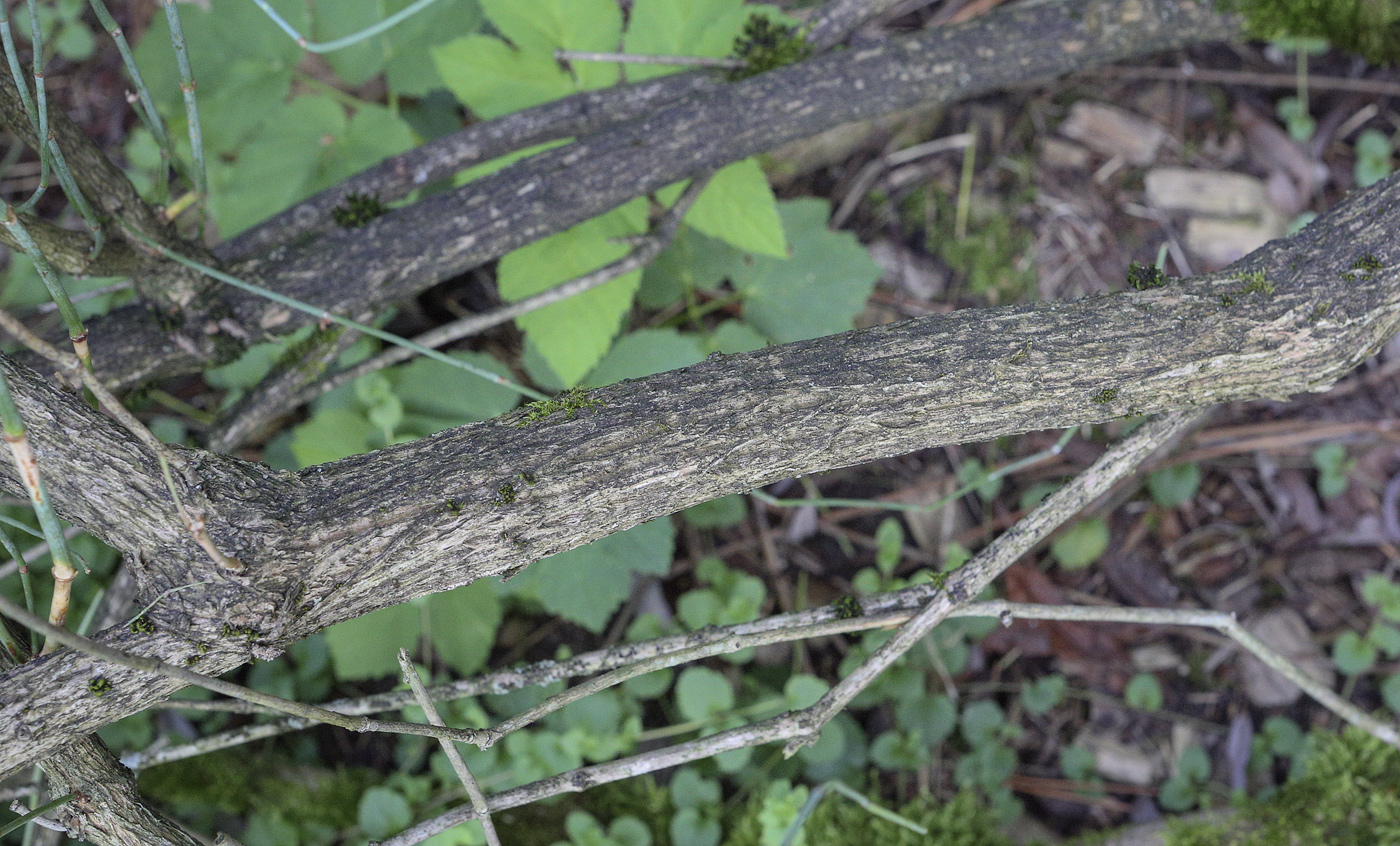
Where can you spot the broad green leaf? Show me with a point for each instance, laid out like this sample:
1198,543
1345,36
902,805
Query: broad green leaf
933,718
802,691
734,336
1040,696
1380,591
586,585
1352,654
702,693
737,207
982,721
241,80
1081,544
409,69
357,63
889,544
437,396
368,647
690,827
383,812
493,77
696,28
331,434
463,624
278,167
644,352
1175,485
717,513
373,133
1143,692
269,828
820,290
693,261
572,335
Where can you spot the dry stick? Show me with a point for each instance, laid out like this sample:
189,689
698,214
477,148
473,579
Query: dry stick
154,665
1225,623
193,520
969,581
650,247
459,766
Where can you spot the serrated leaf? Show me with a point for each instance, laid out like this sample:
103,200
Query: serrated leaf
668,28
463,623
279,165
573,335
693,261
368,647
702,693
817,292
372,134
644,352
737,207
493,78
586,585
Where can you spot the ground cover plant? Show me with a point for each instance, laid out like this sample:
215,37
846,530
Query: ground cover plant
633,293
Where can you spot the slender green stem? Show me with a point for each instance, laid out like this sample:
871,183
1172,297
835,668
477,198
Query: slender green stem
324,315
146,106
28,469
182,58
42,809
75,196
41,106
339,43
77,332
25,584
23,527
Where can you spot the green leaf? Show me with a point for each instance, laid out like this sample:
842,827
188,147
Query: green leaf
586,585
668,28
372,134
494,78
573,335
629,831
933,718
1390,692
269,828
1177,794
973,473
437,396
801,691
383,812
737,207
689,789
1040,696
1385,638
331,434
1380,591
1175,485
368,647
1077,763
408,68
1081,544
717,513
644,352
899,751
982,721
1194,765
734,336
889,545
463,625
1284,737
357,63
694,261
690,827
1352,654
702,693
818,291
278,166
1143,693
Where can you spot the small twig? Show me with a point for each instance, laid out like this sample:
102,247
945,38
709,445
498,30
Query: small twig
286,706
1117,463
645,59
459,766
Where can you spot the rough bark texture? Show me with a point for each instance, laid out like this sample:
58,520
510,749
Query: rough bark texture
342,539
410,249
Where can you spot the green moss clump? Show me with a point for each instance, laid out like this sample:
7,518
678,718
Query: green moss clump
1107,395
1366,266
99,686
1143,276
1368,27
1256,283
1348,794
847,607
357,210
505,495
570,402
142,625
765,44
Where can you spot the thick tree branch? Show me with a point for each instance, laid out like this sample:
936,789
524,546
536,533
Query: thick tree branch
342,539
349,272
